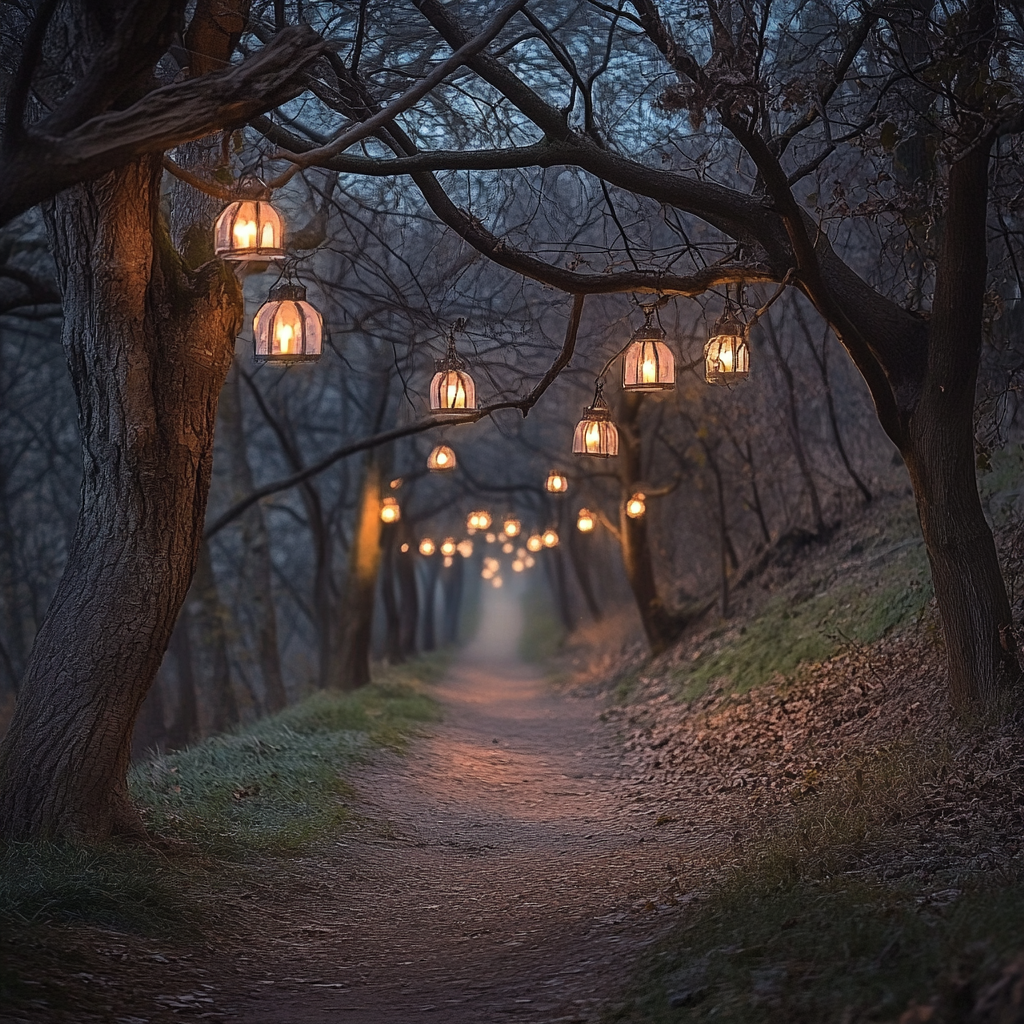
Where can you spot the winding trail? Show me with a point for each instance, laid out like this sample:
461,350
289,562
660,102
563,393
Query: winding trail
505,868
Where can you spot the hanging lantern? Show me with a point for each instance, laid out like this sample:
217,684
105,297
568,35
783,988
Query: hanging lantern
529,562
648,364
452,391
389,510
534,542
726,355
250,229
448,561
287,329
585,520
518,565
396,483
448,547
636,506
427,547
556,483
596,434
508,547
549,539
465,548
404,549
490,538
512,526
441,459
497,582
478,520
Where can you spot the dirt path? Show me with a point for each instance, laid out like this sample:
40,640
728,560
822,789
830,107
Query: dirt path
504,871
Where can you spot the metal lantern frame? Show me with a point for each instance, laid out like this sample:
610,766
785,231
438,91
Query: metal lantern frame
727,353
256,213
287,309
556,483
648,364
596,434
441,459
452,389
390,512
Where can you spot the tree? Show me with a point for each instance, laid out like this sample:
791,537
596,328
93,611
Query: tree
148,340
743,85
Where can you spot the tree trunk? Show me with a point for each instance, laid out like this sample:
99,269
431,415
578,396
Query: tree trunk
939,453
409,604
389,599
429,603
352,668
148,345
453,587
660,626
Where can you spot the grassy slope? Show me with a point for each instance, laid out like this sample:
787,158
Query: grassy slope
809,925
217,810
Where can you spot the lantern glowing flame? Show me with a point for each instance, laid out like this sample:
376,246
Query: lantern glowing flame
478,520
596,434
534,542
636,506
727,355
427,547
648,363
441,459
585,521
550,539
249,230
556,483
389,510
512,526
448,547
287,328
452,391
508,548
518,566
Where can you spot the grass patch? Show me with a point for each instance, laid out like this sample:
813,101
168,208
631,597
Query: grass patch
891,586
270,789
800,933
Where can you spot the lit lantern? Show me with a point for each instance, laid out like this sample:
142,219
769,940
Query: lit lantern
448,561
404,549
441,459
508,548
287,329
518,565
448,547
636,506
512,526
396,483
389,510
585,520
497,582
534,542
549,539
427,547
478,520
556,483
726,355
490,538
648,364
465,548
529,562
452,391
250,229
596,434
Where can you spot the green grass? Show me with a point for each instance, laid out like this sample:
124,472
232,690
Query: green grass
798,933
891,586
218,809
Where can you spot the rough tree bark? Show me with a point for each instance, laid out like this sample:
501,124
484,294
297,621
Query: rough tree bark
148,345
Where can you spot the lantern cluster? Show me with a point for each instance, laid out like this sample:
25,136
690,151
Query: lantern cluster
478,521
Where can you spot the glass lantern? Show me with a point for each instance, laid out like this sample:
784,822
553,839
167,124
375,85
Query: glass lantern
427,547
726,355
556,483
585,520
478,520
448,547
534,542
452,391
648,364
636,506
250,229
596,434
511,526
389,510
549,539
441,459
287,329
465,547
